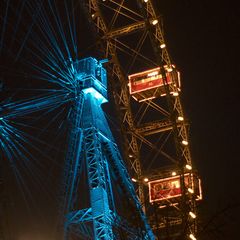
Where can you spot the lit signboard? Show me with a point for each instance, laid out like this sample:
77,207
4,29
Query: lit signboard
150,79
167,188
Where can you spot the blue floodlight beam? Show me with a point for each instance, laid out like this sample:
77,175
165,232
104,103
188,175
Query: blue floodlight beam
60,27
9,131
52,120
57,76
44,50
21,108
74,43
8,149
50,53
47,35
74,32
52,71
20,10
24,137
35,16
25,162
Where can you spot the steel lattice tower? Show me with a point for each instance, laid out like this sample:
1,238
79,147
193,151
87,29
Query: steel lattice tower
91,144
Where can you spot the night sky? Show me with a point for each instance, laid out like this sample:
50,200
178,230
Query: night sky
203,40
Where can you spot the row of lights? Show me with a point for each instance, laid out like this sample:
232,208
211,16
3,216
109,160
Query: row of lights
184,142
187,166
162,45
153,22
145,180
190,190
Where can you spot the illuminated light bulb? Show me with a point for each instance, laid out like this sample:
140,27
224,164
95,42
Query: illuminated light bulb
173,204
192,237
145,179
145,1
130,155
163,45
169,69
189,167
184,142
190,190
134,180
180,118
192,215
154,22
174,173
93,15
175,94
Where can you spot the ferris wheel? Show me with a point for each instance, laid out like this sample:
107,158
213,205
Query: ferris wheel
152,116
143,83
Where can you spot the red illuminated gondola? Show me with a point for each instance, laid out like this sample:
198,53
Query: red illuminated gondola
149,84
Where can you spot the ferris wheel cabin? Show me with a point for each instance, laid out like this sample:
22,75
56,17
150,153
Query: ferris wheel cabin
150,84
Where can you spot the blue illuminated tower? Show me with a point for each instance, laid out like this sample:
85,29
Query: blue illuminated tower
91,145
93,161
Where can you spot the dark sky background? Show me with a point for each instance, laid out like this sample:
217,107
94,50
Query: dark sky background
203,40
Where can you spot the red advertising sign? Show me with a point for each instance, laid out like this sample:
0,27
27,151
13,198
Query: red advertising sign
147,80
167,188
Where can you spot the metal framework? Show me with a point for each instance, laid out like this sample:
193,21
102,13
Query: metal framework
155,131
92,207
91,144
131,37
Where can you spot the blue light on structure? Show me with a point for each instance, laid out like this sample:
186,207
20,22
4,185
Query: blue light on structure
91,147
91,142
89,73
95,94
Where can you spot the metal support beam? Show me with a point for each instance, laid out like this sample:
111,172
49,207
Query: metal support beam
97,179
122,98
125,30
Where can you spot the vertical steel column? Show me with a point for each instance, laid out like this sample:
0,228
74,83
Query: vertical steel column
121,98
97,180
88,145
